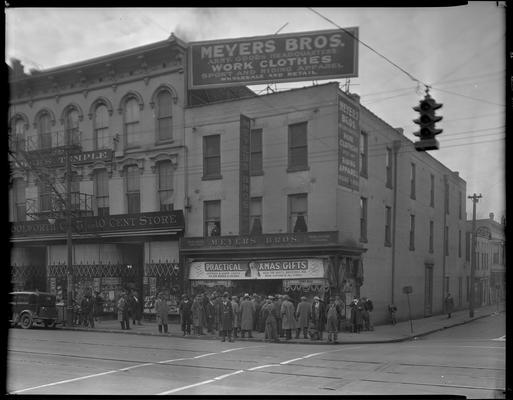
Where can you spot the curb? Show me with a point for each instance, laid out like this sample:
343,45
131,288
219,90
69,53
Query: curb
315,342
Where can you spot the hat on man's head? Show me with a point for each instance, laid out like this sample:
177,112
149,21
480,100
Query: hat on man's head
246,295
303,297
270,297
226,294
316,298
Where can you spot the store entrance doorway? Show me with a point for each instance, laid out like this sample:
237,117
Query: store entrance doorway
133,259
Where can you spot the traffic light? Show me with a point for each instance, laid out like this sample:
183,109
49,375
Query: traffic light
426,121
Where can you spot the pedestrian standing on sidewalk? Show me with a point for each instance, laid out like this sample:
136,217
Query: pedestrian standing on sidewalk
271,321
247,316
278,300
236,315
319,316
184,309
87,307
449,305
226,316
198,315
98,306
288,322
356,315
258,305
123,311
332,316
218,302
341,311
303,315
161,312
367,308
392,309
136,308
210,313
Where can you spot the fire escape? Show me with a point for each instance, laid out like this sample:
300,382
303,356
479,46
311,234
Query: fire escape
43,156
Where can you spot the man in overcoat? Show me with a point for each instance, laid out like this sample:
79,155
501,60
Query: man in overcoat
198,314
226,316
123,317
356,315
288,321
303,315
449,305
210,313
184,308
136,308
247,315
236,315
278,299
319,315
269,312
161,311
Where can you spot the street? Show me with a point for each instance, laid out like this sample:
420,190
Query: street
466,360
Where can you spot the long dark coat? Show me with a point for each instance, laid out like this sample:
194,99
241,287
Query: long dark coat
247,313
198,313
135,306
161,310
319,319
303,314
287,315
185,311
449,304
236,314
226,316
356,313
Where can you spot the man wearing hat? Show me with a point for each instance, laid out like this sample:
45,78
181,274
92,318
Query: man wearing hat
185,310
278,299
247,315
303,315
269,313
287,317
319,315
332,317
226,317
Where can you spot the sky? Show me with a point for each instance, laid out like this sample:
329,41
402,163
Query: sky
458,51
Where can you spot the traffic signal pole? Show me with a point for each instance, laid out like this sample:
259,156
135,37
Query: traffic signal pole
475,198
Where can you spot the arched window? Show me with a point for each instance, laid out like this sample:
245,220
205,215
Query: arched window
131,121
101,127
164,116
44,130
71,126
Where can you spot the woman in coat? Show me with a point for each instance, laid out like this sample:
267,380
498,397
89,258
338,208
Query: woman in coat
161,310
303,315
226,316
288,321
319,315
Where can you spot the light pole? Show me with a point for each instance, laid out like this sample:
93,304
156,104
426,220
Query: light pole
69,239
475,198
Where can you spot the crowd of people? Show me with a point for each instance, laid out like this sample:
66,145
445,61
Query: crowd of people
274,315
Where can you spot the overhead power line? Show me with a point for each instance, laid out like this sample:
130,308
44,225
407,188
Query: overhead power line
370,48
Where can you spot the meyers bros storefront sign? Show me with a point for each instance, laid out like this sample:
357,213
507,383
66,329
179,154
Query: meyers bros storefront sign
276,58
255,269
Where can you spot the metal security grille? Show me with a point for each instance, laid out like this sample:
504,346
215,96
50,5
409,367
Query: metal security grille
93,270
162,270
23,273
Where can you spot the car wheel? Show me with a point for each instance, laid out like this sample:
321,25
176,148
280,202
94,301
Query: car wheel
26,321
50,324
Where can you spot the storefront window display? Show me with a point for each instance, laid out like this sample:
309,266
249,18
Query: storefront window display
165,278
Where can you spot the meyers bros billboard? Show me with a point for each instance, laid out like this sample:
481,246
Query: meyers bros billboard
277,58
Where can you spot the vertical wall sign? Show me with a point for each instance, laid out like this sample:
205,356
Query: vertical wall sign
348,142
244,178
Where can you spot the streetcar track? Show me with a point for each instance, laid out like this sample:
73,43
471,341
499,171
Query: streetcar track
431,384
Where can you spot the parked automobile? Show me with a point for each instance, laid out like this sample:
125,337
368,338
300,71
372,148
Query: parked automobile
29,308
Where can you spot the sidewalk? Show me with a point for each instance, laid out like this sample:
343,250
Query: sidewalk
381,334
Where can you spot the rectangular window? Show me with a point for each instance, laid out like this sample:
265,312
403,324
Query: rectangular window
255,216
164,116
446,197
460,290
364,153
133,195
132,122
212,215
256,152
18,190
446,240
363,219
412,232
101,191
45,197
459,243
412,181
388,164
460,204
431,236
388,226
212,156
165,188
432,192
298,147
468,288
298,213
467,246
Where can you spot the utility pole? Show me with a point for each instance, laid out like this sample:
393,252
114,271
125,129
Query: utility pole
475,198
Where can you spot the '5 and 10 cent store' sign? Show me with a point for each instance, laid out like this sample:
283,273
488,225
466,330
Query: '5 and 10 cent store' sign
277,58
